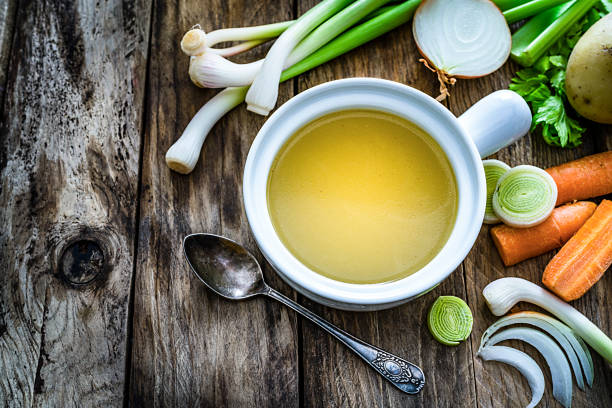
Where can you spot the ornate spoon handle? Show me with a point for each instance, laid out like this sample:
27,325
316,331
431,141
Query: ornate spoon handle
401,373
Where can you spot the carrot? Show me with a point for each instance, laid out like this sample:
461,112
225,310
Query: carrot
585,257
517,244
588,177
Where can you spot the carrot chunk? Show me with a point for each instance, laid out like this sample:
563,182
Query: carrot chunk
584,258
517,244
588,177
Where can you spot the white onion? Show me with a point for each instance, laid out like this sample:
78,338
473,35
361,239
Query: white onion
559,368
461,38
522,362
575,351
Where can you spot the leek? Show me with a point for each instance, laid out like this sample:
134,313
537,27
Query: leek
532,40
494,169
450,320
183,154
502,294
524,196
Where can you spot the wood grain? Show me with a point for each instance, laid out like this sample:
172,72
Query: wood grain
7,25
69,171
191,348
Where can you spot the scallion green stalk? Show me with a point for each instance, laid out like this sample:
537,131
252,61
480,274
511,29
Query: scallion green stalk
529,9
183,154
532,40
263,92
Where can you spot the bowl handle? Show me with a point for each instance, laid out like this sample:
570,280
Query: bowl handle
496,121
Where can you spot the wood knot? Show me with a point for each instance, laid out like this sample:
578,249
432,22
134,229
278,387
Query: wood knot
81,262
83,256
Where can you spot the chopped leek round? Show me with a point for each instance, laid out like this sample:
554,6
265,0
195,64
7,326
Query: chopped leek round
525,196
450,320
494,169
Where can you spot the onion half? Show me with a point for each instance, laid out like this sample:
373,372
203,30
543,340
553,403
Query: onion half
461,39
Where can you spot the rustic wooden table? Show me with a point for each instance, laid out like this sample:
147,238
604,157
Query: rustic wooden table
97,305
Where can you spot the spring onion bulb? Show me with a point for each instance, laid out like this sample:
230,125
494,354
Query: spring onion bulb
196,41
461,39
494,169
212,71
502,294
184,156
525,196
559,368
576,352
263,92
450,320
522,362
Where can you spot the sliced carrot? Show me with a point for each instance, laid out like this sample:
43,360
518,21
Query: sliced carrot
584,259
588,177
517,244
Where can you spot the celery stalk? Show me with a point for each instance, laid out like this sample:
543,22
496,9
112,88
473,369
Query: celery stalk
532,40
530,9
508,4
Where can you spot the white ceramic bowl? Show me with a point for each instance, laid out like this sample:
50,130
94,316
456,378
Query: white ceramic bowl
494,122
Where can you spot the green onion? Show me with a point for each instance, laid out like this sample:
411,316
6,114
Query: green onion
532,40
525,196
261,96
183,155
494,169
450,320
530,9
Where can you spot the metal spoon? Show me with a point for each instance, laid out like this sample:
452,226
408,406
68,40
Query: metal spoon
229,270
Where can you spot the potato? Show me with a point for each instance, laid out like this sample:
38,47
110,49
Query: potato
588,81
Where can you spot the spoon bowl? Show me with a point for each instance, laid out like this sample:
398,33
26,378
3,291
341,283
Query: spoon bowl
230,271
225,266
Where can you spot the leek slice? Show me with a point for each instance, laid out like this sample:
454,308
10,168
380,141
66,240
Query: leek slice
522,362
450,320
525,196
559,368
494,169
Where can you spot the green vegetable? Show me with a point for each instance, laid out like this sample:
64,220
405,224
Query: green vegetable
183,155
529,9
508,4
450,320
543,85
525,196
494,169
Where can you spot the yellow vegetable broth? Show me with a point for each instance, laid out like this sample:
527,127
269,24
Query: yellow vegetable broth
362,196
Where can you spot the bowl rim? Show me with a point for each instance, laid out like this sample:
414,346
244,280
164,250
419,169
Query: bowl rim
378,293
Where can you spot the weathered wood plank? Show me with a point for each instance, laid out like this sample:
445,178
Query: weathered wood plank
498,385
191,348
69,163
7,25
333,376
